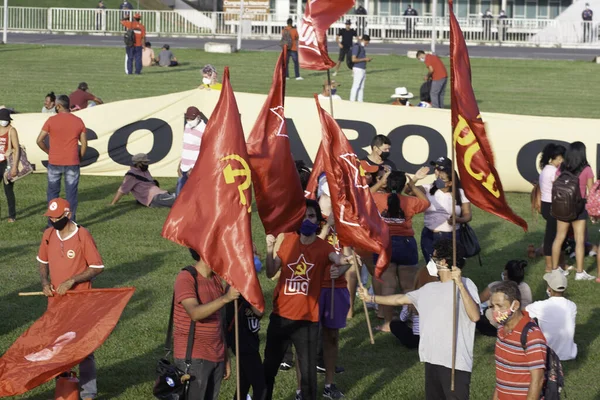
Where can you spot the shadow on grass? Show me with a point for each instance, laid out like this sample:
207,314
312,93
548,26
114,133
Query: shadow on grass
9,252
22,310
108,213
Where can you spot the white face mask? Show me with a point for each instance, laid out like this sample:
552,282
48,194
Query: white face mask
4,123
548,293
206,81
501,276
193,123
432,268
422,59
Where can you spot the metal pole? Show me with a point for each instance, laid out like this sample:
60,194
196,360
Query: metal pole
433,25
5,28
239,37
299,10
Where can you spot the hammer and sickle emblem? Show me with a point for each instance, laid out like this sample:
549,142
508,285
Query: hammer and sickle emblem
229,173
301,269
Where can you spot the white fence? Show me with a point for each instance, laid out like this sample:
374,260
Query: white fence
269,26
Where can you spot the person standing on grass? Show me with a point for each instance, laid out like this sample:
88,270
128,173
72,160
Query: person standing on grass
519,371
69,260
587,16
345,41
134,52
434,304
195,124
411,21
289,40
438,74
9,143
210,361
304,261
65,132
359,70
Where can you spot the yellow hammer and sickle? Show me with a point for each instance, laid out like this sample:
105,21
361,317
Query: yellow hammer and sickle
229,173
301,269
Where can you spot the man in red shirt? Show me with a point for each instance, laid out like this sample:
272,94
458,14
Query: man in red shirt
69,260
519,371
134,52
65,131
210,363
439,76
289,37
79,99
305,261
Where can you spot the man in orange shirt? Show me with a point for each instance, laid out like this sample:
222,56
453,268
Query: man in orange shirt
65,131
438,75
134,50
69,260
289,39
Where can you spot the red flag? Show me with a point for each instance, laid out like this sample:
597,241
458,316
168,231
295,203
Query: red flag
357,220
313,180
212,213
277,186
312,44
474,156
73,327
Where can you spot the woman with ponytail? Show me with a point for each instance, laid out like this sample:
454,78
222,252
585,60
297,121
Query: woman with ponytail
398,210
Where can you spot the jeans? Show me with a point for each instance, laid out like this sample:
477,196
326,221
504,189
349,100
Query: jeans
438,90
294,55
206,378
133,53
181,182
71,174
163,200
429,238
358,84
87,377
9,192
304,336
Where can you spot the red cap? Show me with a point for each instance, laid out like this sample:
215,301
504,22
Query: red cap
368,168
57,207
192,113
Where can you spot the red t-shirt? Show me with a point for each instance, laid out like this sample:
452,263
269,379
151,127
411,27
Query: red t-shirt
439,69
303,268
70,256
332,239
513,364
64,130
209,341
138,29
80,98
410,205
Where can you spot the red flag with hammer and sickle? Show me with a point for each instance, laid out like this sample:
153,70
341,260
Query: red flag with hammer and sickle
212,213
277,186
357,220
474,156
312,44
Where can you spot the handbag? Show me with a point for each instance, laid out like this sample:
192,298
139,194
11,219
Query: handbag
25,169
172,383
469,241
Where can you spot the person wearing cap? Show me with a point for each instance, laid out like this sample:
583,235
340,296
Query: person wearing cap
134,52
68,261
519,366
330,91
81,97
438,217
9,146
210,78
401,96
139,182
411,21
556,316
588,17
65,132
195,124
126,6
166,58
345,40
359,69
437,73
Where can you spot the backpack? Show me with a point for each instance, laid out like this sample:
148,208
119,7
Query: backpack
592,205
349,61
129,38
567,203
554,378
286,39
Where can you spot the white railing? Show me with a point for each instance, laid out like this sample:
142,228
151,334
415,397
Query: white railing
269,26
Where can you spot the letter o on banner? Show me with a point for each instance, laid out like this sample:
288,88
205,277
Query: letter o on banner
435,140
527,158
161,146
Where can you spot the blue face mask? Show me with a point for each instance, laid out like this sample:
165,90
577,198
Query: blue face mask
308,228
439,183
333,91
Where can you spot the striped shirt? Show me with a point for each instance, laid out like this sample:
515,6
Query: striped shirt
513,364
192,138
405,315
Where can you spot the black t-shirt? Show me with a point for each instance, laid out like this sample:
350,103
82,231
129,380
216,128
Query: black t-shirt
249,326
348,36
386,162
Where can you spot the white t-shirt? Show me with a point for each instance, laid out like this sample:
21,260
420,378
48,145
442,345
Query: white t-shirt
547,177
556,317
440,210
434,304
335,97
48,111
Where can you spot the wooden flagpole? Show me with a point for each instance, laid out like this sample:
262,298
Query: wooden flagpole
331,111
237,350
454,306
31,293
367,317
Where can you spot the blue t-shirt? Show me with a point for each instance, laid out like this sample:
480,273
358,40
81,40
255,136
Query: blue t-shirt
359,51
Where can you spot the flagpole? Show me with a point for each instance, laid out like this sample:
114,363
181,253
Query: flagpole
237,350
454,300
330,95
31,293
368,318
239,35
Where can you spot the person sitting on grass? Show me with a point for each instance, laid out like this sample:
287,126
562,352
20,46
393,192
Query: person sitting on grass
139,182
210,78
148,56
166,58
401,96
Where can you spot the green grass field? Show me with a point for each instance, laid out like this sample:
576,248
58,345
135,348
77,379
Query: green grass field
128,235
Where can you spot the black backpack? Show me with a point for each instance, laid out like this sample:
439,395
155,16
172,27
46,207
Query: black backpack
567,203
554,378
129,38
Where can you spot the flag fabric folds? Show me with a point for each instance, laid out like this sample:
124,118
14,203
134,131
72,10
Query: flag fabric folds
277,186
357,220
313,180
212,213
474,156
73,327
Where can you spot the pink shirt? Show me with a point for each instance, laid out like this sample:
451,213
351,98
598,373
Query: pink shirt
584,175
547,176
192,138
143,192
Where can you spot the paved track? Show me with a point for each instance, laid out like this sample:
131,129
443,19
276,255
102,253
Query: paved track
271,45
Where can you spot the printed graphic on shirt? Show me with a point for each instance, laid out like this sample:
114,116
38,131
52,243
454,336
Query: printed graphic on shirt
253,324
71,254
299,282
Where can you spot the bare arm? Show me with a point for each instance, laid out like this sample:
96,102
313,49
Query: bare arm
14,142
44,274
393,300
429,71
40,142
198,312
470,305
419,194
83,141
589,184
98,100
535,386
87,275
495,396
117,197
273,263
465,214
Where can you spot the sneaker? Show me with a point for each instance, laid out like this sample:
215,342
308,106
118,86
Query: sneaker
332,392
338,370
298,395
320,369
567,270
584,276
248,397
299,78
284,366
334,73
287,78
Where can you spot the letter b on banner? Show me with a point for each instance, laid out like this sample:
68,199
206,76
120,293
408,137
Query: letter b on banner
162,140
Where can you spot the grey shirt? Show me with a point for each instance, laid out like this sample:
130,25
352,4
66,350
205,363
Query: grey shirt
359,51
434,304
165,57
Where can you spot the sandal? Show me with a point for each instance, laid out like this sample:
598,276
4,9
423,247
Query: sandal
11,220
380,329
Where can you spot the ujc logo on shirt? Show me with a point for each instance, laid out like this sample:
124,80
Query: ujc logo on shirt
299,282
71,254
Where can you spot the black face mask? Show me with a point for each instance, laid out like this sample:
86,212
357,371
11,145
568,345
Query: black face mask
60,224
385,155
144,168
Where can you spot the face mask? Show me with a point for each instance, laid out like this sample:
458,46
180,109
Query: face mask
439,183
4,123
432,268
501,276
206,81
422,59
60,224
502,317
144,168
333,91
385,155
548,293
193,123
308,228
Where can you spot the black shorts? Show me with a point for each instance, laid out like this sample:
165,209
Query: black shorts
343,53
